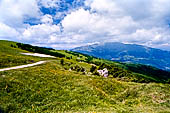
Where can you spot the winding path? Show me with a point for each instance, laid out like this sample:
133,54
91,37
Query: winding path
23,66
29,65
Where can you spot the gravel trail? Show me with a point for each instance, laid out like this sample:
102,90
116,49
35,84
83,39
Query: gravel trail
23,66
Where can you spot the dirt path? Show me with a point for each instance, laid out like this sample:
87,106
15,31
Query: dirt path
23,66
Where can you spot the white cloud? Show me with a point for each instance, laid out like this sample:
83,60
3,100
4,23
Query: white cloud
96,27
105,7
13,12
7,32
75,20
131,21
142,22
12,16
40,33
50,3
47,19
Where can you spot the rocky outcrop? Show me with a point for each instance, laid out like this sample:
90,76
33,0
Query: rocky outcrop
103,72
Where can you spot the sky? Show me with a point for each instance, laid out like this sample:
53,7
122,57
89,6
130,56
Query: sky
66,24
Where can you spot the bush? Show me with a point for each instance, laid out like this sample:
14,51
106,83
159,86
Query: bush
89,59
93,68
77,68
1,110
62,61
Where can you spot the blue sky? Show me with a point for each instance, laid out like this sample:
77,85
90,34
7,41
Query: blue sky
65,24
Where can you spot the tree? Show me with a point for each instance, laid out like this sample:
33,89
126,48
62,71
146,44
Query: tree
89,59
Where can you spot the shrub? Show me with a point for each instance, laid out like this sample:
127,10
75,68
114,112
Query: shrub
77,68
62,61
93,68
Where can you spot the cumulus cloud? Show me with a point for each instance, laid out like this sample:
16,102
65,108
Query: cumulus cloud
49,3
7,32
39,33
13,12
143,22
12,16
98,24
47,19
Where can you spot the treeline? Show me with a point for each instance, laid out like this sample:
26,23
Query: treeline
37,49
89,59
149,70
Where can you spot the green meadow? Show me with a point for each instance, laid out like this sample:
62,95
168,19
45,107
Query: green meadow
67,83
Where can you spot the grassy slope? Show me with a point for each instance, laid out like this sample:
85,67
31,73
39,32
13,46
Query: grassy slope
140,71
132,75
51,87
122,72
10,56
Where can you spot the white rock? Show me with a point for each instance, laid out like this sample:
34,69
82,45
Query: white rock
103,72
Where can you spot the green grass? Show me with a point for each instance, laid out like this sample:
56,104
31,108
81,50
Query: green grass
10,56
51,88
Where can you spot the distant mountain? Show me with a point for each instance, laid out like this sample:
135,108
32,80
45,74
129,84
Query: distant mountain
129,53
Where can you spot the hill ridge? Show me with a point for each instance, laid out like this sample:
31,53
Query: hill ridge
132,53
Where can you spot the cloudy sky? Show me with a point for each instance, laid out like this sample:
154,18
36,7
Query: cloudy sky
65,24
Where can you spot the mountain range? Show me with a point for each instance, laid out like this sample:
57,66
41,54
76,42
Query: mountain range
128,53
